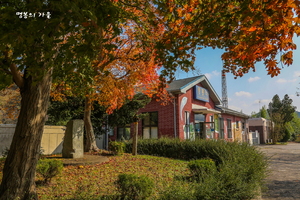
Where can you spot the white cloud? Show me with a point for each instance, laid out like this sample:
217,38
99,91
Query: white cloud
243,93
263,101
208,75
297,74
252,79
212,74
281,80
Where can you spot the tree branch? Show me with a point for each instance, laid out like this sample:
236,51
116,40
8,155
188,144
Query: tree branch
16,75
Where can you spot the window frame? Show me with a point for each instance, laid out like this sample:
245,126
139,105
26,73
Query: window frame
221,120
151,125
229,128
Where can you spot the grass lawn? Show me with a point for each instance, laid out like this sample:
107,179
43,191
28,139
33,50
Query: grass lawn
93,181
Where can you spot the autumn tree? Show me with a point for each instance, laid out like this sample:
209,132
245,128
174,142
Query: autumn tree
37,49
33,50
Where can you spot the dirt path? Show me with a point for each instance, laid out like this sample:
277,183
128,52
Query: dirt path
284,179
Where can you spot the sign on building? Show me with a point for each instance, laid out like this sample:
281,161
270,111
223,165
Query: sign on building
201,93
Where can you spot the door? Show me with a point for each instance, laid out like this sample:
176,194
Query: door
208,130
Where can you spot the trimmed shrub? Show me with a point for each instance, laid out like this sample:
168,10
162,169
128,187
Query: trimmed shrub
179,190
135,187
48,168
118,148
240,168
200,169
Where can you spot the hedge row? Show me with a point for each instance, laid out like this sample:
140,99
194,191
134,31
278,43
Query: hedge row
241,168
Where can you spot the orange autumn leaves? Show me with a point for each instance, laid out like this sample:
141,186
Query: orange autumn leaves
125,65
265,34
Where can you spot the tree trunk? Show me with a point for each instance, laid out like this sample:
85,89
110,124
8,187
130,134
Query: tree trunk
135,138
90,142
18,180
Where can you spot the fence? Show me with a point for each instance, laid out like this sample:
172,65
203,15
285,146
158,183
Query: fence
51,143
52,139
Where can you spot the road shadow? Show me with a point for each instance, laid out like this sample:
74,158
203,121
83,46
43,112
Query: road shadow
282,189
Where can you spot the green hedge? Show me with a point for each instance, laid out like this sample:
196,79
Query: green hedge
136,187
241,168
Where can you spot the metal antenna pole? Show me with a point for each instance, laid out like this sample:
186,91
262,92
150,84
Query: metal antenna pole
224,91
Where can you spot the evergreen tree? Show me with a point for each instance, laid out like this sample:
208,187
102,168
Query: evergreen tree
281,113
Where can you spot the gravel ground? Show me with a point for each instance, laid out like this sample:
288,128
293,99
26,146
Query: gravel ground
284,180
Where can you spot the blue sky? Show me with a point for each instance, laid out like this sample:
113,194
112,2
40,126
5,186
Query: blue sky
253,90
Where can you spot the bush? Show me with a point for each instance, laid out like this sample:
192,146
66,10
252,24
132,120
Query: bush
48,168
200,169
178,190
118,148
134,187
240,168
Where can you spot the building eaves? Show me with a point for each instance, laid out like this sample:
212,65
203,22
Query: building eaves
233,112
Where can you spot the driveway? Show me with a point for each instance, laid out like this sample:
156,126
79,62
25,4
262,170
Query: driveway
284,178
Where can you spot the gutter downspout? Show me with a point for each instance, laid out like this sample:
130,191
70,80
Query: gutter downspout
175,128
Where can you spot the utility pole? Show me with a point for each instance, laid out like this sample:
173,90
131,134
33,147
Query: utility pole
224,91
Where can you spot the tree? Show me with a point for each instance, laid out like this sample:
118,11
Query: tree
38,49
264,113
33,50
295,126
281,113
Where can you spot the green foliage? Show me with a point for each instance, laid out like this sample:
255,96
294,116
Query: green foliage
286,135
264,113
73,108
60,112
281,112
117,147
294,126
135,187
48,168
241,168
127,114
179,190
200,169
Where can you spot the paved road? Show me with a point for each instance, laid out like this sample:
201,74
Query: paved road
284,179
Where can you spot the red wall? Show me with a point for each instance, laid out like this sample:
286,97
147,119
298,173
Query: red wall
165,117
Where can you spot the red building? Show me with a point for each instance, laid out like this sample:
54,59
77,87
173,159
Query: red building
195,112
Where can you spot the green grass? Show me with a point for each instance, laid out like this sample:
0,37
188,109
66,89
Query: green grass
93,181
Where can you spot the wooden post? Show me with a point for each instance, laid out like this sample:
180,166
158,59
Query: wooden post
134,142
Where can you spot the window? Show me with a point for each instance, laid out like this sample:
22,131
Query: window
199,118
150,125
243,125
221,128
229,131
123,133
212,120
187,124
237,124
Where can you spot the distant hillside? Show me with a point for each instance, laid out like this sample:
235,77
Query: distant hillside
298,113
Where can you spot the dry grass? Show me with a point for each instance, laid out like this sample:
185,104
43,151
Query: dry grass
94,181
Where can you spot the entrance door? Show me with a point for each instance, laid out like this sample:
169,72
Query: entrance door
208,130
204,130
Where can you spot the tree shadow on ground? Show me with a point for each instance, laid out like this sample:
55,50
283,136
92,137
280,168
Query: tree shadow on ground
282,189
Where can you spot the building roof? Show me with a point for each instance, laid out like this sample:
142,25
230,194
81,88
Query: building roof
233,112
182,85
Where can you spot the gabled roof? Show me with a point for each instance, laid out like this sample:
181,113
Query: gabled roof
182,85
